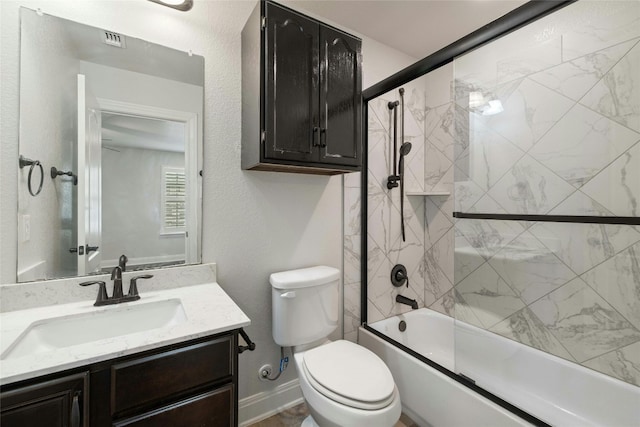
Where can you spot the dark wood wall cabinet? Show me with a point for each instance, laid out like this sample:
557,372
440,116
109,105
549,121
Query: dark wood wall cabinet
188,384
301,94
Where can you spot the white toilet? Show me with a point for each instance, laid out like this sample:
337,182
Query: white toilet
344,384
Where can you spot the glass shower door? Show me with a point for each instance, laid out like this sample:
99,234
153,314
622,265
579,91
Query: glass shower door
547,183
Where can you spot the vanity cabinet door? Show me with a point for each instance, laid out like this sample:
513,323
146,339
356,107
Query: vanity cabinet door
55,403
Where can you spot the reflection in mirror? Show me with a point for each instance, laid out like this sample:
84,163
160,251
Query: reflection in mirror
122,118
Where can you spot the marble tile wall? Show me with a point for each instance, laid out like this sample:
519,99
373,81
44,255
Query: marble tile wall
427,252
568,143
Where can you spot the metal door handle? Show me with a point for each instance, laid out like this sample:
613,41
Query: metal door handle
75,410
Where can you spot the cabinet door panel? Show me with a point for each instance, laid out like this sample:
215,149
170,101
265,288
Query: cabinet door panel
150,379
213,409
48,404
340,98
291,110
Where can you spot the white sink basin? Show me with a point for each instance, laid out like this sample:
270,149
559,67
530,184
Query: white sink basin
59,332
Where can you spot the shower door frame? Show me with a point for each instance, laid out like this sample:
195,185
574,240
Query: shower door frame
517,18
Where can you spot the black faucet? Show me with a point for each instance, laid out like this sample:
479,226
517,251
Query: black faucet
408,301
117,296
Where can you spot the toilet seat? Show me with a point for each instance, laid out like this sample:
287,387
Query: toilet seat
349,374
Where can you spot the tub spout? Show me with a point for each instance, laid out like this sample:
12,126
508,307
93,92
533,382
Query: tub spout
408,301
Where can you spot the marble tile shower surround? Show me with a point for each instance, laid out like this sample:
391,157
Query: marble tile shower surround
427,115
567,143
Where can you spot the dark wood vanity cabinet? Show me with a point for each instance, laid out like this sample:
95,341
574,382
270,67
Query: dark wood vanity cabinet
301,94
57,402
187,384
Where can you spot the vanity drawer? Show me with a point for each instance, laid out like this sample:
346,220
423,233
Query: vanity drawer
149,379
214,409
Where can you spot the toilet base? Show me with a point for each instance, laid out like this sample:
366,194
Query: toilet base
309,422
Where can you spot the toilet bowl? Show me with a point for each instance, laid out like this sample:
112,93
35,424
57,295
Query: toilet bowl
344,384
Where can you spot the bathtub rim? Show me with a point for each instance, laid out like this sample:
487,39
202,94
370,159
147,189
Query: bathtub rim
461,379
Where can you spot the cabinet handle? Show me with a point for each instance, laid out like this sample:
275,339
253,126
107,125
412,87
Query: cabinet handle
75,410
315,140
323,137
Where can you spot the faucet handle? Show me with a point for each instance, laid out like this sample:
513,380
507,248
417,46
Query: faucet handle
133,286
102,291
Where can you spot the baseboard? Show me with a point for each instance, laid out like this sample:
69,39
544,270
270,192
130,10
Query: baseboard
263,405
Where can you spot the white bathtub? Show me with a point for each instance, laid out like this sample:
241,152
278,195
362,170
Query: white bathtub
552,389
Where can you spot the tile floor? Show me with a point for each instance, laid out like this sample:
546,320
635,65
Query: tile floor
293,417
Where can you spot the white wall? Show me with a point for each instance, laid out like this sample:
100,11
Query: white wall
255,223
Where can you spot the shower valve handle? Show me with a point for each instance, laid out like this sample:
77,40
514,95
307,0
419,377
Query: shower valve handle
399,276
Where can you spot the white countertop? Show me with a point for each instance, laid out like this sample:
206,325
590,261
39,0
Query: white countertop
209,310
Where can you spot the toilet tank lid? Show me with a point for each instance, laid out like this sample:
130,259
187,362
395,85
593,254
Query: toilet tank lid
304,277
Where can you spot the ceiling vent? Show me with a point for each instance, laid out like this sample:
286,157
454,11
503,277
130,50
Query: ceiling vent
114,39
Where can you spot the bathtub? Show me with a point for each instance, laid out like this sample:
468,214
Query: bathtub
549,388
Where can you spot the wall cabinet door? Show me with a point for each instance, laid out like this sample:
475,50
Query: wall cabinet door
301,80
291,116
340,98
55,403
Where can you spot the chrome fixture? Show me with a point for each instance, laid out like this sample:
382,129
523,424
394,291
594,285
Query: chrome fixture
182,5
117,297
407,301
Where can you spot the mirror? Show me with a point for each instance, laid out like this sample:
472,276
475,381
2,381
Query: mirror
115,125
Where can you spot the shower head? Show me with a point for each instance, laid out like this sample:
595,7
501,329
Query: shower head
405,148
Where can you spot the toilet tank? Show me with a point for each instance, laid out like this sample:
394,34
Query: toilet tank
305,304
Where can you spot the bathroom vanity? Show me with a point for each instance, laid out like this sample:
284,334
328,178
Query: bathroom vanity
79,365
193,383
